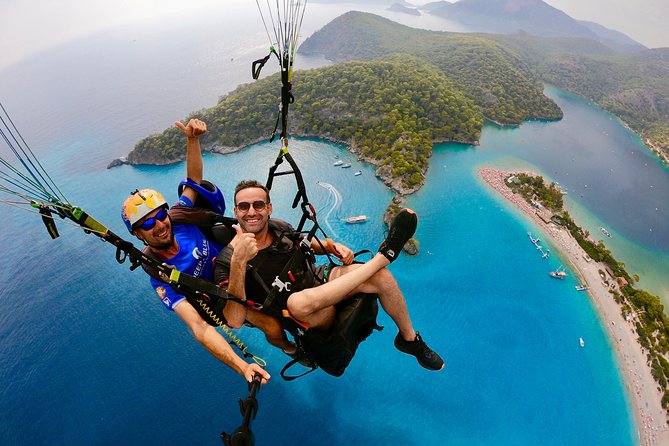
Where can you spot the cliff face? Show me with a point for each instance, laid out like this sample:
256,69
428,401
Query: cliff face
396,184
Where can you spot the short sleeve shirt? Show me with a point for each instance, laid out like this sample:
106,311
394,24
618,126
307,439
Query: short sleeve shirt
195,257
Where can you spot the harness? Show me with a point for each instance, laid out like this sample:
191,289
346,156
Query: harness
355,319
331,350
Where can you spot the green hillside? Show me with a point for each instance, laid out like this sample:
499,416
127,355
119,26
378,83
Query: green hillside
426,88
503,73
390,112
494,77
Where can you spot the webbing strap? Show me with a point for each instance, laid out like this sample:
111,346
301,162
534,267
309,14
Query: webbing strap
291,363
308,211
125,250
257,65
295,259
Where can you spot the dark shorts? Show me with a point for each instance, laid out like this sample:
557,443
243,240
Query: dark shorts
321,273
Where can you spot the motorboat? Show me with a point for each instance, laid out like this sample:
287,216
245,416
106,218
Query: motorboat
356,219
559,273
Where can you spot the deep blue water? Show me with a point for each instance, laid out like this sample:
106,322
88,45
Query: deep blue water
89,356
84,339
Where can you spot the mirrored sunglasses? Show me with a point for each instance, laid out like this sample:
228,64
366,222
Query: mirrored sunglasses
149,223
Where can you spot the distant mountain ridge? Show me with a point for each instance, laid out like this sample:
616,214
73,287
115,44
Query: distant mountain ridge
403,8
530,16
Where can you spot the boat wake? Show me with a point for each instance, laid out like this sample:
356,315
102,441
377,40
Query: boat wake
336,198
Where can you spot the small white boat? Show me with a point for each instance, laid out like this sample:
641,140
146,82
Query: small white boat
581,341
357,219
605,232
338,163
581,287
359,172
558,273
346,165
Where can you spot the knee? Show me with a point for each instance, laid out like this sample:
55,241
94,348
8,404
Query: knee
301,304
383,279
234,323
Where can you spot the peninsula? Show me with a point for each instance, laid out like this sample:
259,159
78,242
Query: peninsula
500,72
625,318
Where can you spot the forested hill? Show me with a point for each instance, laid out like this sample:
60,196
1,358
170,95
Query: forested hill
502,74
421,88
495,78
390,112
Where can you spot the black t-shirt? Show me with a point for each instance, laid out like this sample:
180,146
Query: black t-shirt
268,263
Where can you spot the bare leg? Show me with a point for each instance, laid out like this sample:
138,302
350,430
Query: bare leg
392,300
272,329
315,305
306,302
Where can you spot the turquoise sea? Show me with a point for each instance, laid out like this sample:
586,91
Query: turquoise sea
89,356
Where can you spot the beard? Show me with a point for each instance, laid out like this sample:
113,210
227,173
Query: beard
162,246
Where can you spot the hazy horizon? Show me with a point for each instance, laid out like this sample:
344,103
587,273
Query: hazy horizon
23,32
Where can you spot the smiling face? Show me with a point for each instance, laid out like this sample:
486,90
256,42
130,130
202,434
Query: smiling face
255,217
159,236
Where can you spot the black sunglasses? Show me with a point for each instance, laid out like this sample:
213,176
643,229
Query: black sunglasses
258,205
149,223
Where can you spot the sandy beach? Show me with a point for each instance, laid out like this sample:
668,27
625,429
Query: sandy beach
651,418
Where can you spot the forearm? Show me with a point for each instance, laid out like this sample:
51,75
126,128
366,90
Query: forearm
194,165
235,313
210,339
214,342
319,246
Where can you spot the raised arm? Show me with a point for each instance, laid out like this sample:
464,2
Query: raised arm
214,342
194,166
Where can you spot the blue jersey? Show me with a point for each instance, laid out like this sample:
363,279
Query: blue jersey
195,257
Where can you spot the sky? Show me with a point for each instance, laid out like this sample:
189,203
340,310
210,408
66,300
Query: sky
30,26
643,20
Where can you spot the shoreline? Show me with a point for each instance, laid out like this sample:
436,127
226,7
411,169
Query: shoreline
651,419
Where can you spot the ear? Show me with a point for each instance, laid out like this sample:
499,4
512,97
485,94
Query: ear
269,208
134,232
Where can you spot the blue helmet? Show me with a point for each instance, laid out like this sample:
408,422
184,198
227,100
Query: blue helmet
208,195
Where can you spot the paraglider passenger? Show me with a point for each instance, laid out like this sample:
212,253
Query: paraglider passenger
313,300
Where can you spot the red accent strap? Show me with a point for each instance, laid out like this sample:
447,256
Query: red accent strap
287,314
